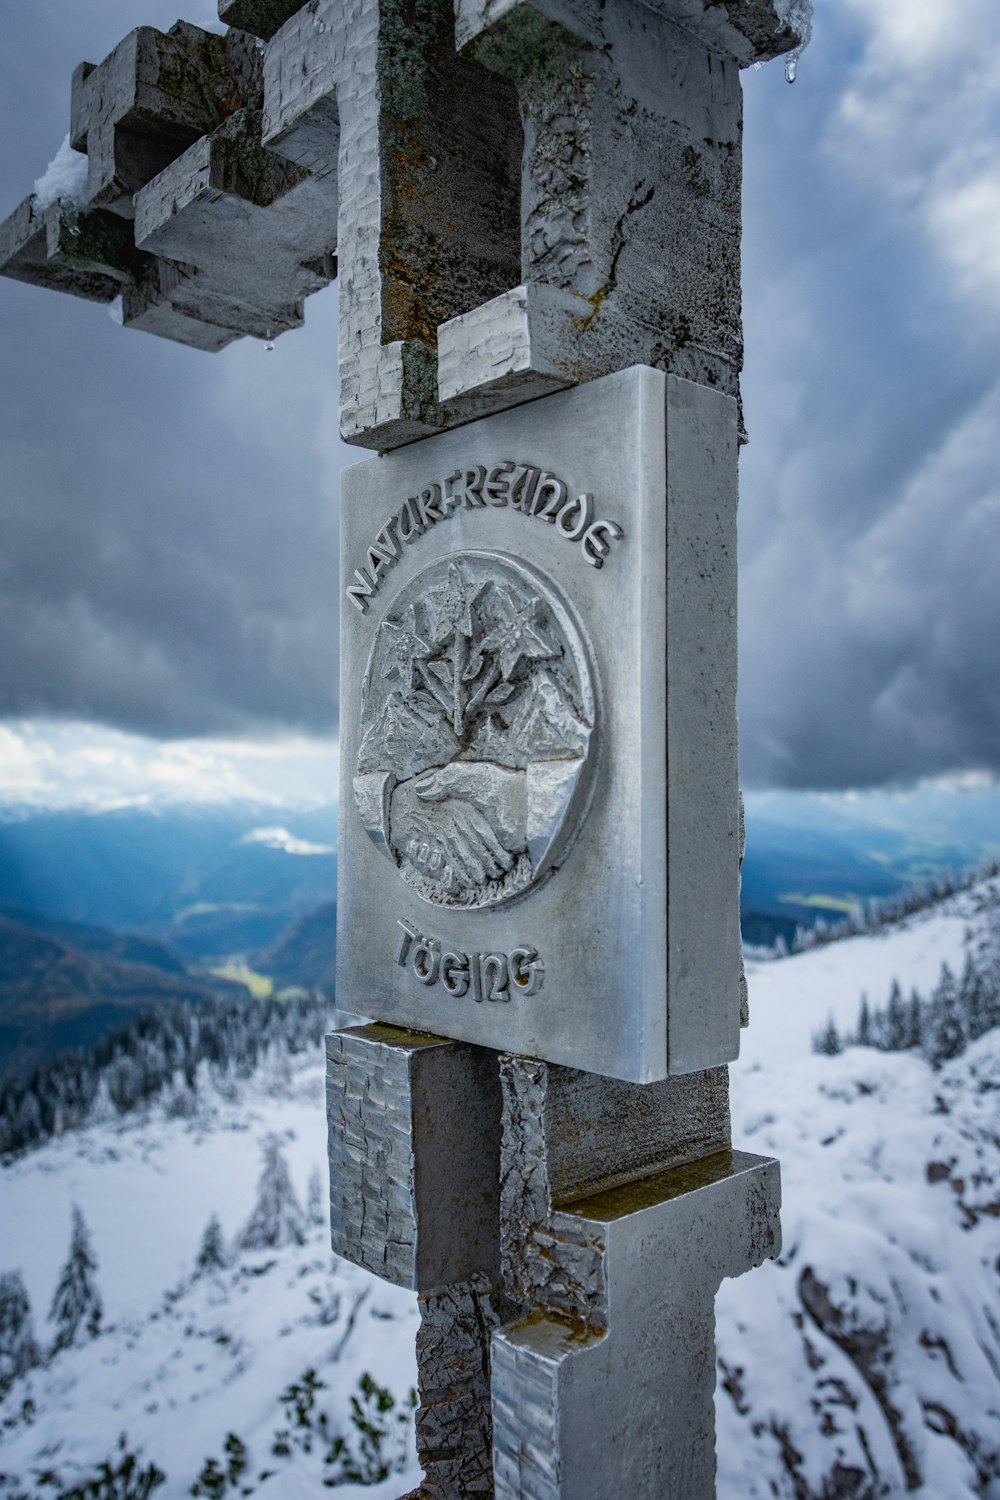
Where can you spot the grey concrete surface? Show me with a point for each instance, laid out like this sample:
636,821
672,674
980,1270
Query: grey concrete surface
634,921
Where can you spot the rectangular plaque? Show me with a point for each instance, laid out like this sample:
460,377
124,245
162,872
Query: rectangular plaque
538,805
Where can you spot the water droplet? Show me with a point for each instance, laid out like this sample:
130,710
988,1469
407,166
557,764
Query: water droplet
268,343
791,68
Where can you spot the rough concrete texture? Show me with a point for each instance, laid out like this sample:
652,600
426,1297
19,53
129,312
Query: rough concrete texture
744,989
150,99
630,193
454,1426
429,162
260,17
414,1141
508,198
89,254
148,305
624,1405
567,1134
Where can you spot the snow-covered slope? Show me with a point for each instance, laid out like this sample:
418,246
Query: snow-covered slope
864,1363
791,999
183,1360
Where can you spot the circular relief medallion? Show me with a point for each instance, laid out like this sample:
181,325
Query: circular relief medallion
477,730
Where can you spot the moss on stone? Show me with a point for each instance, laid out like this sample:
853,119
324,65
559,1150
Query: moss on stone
528,49
411,32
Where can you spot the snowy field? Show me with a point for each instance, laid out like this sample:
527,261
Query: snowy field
184,1360
864,1363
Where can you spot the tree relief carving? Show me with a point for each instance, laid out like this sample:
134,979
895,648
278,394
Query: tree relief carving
477,730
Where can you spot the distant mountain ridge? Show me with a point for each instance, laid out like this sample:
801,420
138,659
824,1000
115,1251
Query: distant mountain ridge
204,881
305,954
64,984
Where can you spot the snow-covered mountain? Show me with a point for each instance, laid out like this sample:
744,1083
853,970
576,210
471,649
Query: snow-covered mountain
864,1363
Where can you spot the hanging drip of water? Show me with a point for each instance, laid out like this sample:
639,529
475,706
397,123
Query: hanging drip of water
791,68
268,342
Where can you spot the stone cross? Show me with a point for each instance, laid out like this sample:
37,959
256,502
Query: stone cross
540,825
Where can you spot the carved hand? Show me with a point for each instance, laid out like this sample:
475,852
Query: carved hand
497,792
450,842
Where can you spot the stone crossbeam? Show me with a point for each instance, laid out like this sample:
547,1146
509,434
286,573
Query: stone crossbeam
527,194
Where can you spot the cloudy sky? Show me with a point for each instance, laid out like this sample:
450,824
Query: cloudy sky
168,518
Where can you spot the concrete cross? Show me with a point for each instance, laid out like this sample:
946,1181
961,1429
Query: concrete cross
540,830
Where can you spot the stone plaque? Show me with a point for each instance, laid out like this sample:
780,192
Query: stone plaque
538,805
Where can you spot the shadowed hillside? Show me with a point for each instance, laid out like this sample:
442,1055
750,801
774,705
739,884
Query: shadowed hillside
65,984
305,954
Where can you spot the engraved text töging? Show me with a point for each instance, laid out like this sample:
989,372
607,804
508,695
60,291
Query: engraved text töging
471,976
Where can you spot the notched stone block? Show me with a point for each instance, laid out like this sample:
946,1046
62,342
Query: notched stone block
150,99
149,306
88,254
261,17
507,350
647,1366
414,1141
630,193
429,147
257,232
747,30
568,1134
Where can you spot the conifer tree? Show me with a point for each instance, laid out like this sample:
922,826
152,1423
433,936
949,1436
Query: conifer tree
827,1042
864,1036
972,1000
915,1021
946,1036
77,1302
212,1251
18,1350
277,1218
315,1205
895,1020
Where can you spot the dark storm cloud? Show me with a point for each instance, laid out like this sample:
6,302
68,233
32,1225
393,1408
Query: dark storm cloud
870,511
167,558
168,518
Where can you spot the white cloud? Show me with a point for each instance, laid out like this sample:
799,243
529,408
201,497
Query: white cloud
287,843
964,220
53,764
918,118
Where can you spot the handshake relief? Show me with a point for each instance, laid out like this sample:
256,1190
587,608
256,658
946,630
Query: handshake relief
462,827
476,723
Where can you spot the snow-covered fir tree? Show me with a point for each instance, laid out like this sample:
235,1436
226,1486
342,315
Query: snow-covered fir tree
18,1350
212,1251
828,1040
946,1034
896,1028
277,1217
316,1210
77,1302
915,1021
